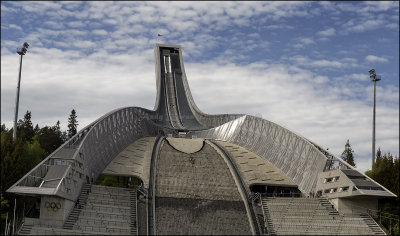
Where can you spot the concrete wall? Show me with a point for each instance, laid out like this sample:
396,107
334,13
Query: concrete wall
355,204
54,209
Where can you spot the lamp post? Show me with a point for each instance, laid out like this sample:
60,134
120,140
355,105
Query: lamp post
21,52
374,78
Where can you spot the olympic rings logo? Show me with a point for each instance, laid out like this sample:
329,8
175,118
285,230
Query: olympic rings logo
52,206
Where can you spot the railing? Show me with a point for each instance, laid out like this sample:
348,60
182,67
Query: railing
142,190
151,208
266,217
35,177
256,196
282,195
380,217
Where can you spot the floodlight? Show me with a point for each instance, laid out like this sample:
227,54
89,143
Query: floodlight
21,52
371,72
374,78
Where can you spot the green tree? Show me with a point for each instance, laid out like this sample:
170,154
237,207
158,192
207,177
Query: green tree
19,156
347,154
385,171
50,138
72,124
25,127
4,208
36,129
7,146
33,154
3,128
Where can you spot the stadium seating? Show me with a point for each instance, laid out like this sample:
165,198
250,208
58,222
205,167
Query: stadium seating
312,216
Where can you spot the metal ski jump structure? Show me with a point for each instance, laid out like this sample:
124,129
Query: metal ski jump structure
305,166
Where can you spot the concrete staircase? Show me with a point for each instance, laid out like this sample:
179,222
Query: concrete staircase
107,211
100,210
43,230
25,229
268,227
81,202
133,203
372,224
313,216
329,207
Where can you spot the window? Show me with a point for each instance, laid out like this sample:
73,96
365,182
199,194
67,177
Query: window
326,190
328,180
335,179
369,188
345,188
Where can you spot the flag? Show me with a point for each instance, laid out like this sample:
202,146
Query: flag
159,35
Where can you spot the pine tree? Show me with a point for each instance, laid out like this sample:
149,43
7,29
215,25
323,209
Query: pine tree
347,154
57,126
72,124
25,127
36,129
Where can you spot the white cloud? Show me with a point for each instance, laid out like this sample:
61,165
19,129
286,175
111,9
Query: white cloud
327,32
76,24
305,40
372,58
325,63
377,6
84,44
363,25
13,26
359,77
100,32
54,25
302,42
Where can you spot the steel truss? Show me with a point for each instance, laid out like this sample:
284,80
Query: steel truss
88,152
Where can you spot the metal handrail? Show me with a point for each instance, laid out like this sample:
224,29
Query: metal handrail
254,211
264,216
59,184
151,190
35,177
282,194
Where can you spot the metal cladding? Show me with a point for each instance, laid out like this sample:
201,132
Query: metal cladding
292,154
89,152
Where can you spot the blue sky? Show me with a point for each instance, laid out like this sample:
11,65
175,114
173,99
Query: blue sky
303,65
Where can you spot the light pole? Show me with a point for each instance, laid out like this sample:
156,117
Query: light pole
374,78
21,52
